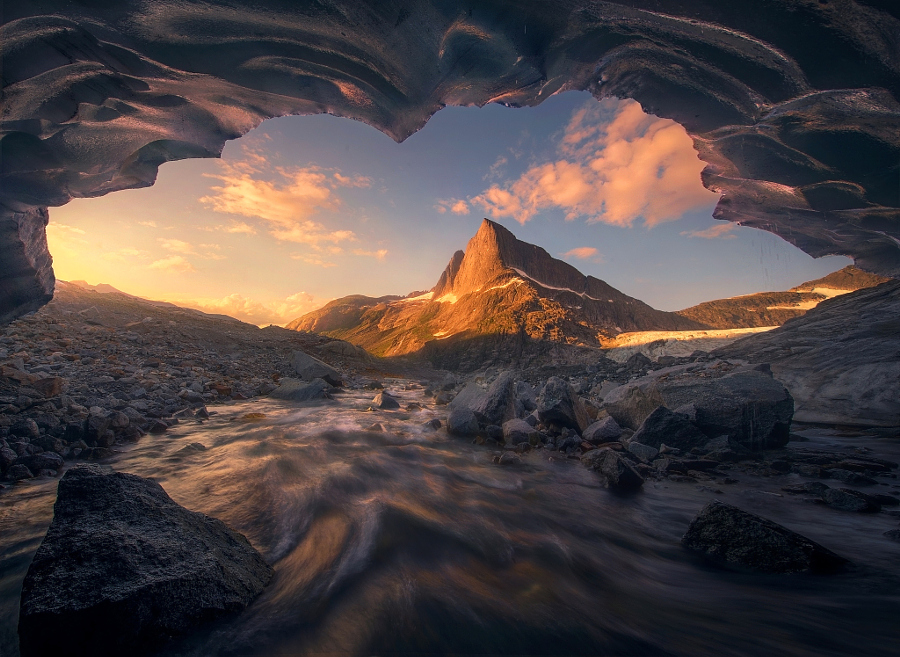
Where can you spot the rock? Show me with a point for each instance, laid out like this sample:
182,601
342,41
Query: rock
299,391
732,536
839,360
637,362
42,461
157,427
893,534
508,458
25,428
462,422
849,477
812,487
49,386
645,453
619,474
95,427
492,406
18,472
123,568
559,405
432,425
746,404
7,458
385,401
602,431
517,431
663,426
846,499
309,368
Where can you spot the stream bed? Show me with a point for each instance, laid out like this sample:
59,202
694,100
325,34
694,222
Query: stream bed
408,541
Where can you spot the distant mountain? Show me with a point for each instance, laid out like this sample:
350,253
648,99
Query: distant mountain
498,286
775,308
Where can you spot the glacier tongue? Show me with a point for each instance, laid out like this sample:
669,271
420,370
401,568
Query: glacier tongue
794,107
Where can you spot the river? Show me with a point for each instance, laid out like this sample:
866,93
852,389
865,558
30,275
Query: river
409,541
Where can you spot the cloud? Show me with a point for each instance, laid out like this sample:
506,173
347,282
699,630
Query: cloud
614,164
496,169
178,246
718,231
379,254
311,259
239,227
582,252
175,263
256,312
122,255
149,224
454,205
66,234
285,198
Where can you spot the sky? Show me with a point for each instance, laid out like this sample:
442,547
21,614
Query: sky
306,209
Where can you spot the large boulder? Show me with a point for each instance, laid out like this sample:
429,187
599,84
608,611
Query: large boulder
560,405
663,426
462,422
309,368
616,473
385,401
296,390
603,431
744,403
123,568
495,405
732,536
518,431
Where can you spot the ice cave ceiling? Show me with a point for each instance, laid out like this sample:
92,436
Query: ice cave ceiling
795,104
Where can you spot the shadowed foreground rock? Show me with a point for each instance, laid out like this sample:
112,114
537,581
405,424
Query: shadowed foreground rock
728,534
123,568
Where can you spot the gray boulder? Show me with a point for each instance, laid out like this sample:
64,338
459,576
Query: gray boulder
603,431
673,429
309,368
744,403
847,499
645,453
299,391
385,401
123,568
462,422
495,405
616,472
729,535
518,431
559,405
42,461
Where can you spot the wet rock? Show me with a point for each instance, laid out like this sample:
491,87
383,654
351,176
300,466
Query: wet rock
849,477
662,426
309,368
602,431
615,471
731,536
492,406
508,458
385,401
517,431
812,487
123,568
559,405
42,461
95,428
846,499
637,362
645,453
462,422
299,391
746,404
433,424
18,472
157,427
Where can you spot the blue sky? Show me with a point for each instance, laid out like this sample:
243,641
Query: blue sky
306,209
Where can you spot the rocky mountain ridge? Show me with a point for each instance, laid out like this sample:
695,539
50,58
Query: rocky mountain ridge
499,286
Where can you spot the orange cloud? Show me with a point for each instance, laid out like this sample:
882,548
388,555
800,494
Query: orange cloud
582,252
379,254
456,206
612,171
718,231
286,200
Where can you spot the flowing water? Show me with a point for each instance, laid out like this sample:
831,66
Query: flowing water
410,541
